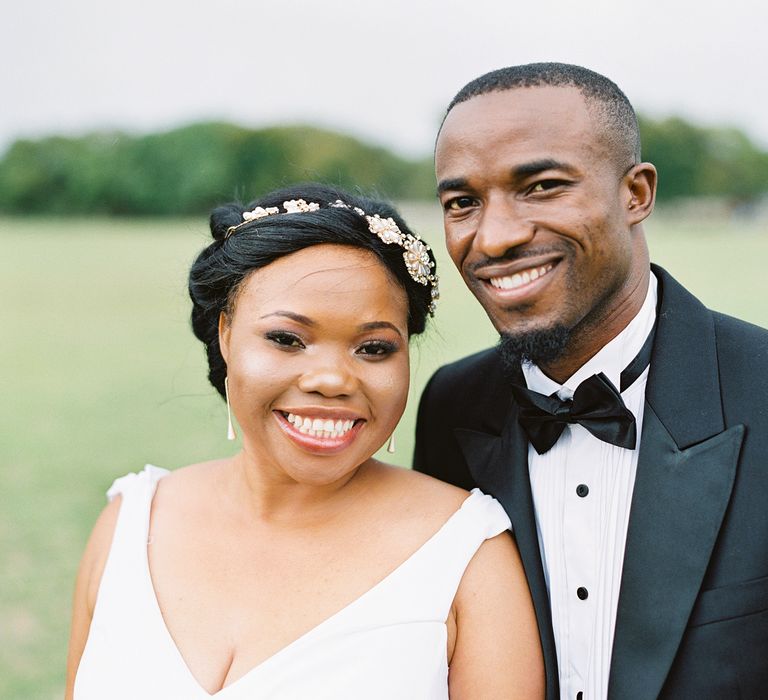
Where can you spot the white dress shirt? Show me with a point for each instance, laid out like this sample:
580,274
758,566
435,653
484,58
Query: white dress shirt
582,492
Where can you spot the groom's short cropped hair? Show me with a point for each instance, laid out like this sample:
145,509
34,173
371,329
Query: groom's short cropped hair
609,103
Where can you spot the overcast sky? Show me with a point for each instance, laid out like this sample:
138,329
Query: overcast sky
381,70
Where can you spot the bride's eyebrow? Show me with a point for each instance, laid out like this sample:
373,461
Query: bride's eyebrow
376,325
304,320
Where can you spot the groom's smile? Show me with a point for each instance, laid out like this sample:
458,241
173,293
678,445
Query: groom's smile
514,283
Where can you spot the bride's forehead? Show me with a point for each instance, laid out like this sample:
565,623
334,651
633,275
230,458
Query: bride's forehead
350,279
342,267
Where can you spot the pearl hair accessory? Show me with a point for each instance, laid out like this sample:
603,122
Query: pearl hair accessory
415,255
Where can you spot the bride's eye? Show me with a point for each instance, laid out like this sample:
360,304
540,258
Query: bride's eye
285,339
376,349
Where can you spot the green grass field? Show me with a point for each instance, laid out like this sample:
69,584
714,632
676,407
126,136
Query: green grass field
101,374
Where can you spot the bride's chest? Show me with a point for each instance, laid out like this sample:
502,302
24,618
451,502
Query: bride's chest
230,603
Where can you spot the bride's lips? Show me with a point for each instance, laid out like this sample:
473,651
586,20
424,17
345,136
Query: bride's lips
319,430
518,281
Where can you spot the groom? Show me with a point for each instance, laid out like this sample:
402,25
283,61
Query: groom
622,425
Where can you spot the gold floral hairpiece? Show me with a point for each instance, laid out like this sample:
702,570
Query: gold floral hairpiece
415,251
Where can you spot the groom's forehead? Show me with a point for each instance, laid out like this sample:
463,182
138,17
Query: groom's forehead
519,124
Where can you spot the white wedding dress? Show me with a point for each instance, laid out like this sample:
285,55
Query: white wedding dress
390,643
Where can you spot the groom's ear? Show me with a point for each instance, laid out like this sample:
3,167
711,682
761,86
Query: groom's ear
225,329
640,187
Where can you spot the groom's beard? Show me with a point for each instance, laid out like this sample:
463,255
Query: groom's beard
537,346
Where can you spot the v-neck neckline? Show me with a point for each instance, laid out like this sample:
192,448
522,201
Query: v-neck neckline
302,638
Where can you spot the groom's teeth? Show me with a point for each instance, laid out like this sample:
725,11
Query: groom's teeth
319,427
520,278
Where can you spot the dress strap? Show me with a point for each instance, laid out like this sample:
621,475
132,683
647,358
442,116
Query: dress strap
424,586
480,518
126,561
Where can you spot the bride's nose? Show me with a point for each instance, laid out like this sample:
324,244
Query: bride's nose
332,377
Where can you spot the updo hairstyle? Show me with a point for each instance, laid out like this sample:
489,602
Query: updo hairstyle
221,268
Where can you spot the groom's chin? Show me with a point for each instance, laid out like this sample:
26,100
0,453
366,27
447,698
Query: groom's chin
540,346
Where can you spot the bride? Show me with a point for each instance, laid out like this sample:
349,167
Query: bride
302,567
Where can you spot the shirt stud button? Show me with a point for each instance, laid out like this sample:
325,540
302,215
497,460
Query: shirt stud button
582,593
579,695
582,490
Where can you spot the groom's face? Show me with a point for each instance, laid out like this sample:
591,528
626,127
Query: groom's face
534,204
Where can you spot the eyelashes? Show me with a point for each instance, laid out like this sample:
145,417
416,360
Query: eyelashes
462,203
370,349
377,348
285,339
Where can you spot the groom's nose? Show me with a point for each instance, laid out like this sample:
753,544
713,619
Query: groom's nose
501,227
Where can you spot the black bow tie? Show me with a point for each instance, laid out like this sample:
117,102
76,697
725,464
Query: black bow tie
596,405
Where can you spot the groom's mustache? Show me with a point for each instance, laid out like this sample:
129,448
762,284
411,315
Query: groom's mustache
514,254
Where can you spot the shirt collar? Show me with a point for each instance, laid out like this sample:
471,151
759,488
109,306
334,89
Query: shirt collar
611,359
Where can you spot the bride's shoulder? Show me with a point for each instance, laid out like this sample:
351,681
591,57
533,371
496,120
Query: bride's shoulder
424,494
191,478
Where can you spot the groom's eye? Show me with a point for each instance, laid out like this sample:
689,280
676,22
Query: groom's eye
545,186
458,203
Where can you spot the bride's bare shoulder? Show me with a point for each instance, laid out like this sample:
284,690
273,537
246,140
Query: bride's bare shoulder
184,483
424,494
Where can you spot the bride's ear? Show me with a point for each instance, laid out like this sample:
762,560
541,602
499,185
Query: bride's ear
224,332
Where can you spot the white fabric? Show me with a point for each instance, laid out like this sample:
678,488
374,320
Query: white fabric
582,539
388,643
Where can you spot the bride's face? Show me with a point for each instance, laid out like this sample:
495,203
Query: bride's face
317,359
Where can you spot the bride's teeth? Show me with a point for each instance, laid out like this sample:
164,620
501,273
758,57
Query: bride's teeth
320,427
534,274
526,278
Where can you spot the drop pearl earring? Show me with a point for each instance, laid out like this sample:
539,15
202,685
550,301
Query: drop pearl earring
231,434
391,444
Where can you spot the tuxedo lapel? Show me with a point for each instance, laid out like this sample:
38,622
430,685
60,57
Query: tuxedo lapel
499,466
686,468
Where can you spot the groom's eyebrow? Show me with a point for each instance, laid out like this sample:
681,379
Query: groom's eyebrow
535,167
519,172
455,183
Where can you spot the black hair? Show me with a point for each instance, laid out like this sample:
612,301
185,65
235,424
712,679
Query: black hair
220,269
602,94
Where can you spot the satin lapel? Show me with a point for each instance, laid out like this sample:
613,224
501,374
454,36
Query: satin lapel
678,505
499,466
686,468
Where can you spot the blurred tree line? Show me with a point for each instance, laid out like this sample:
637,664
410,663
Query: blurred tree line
694,161
190,169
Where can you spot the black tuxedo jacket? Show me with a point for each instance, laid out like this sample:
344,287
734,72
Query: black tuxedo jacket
692,617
